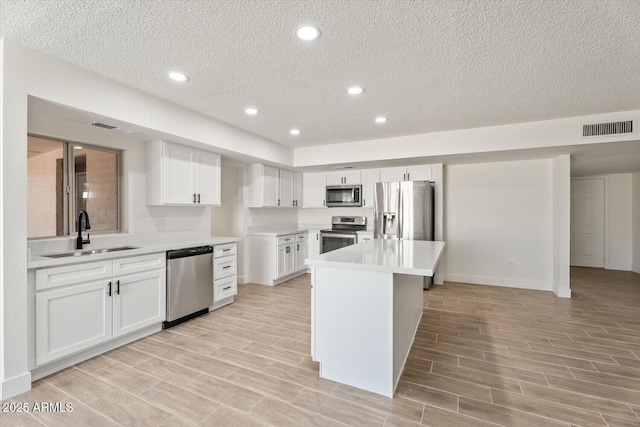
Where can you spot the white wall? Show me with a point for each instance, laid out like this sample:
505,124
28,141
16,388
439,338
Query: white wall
497,213
561,225
635,212
618,238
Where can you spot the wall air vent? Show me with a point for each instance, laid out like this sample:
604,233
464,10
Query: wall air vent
102,125
613,128
344,167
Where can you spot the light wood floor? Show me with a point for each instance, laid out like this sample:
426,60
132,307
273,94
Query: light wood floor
483,356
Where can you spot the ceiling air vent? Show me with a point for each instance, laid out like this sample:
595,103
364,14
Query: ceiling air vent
613,128
102,125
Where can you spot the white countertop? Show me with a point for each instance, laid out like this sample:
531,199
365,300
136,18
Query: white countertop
415,257
39,261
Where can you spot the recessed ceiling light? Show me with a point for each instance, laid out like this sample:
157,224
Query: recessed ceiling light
179,77
77,147
251,111
381,119
294,131
355,90
308,33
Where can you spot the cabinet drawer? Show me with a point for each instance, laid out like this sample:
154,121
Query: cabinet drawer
225,288
224,267
284,240
302,237
137,264
47,278
225,250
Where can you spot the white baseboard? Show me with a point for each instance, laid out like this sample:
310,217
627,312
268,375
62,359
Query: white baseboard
15,386
636,269
499,281
621,267
561,293
243,280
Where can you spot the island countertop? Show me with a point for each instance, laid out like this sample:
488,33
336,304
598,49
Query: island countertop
415,257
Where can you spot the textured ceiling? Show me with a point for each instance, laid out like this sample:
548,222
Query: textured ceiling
427,65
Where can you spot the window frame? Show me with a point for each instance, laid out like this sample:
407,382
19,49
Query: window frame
69,183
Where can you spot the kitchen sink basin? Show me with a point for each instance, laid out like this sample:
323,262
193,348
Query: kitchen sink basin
93,252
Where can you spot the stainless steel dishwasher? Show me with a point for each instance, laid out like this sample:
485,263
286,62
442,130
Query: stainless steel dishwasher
189,284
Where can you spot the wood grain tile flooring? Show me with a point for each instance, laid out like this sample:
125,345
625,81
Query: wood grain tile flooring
483,356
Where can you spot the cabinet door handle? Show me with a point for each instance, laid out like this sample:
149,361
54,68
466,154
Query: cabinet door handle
324,203
198,197
287,249
109,291
297,246
227,288
194,197
364,202
118,287
317,236
278,202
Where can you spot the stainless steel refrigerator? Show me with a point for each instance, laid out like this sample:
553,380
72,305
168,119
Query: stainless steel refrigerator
404,210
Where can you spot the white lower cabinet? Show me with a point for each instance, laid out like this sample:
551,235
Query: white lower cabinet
275,259
139,300
75,314
225,271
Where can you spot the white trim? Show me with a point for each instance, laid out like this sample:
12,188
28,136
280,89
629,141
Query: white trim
561,293
500,281
242,280
15,386
621,267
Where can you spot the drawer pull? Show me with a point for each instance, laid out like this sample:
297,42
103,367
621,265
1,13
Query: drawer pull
228,266
226,250
227,288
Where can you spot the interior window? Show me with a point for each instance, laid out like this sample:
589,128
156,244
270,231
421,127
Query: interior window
65,178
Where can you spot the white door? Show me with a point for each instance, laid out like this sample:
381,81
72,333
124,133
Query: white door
587,222
281,261
369,179
313,243
335,178
419,173
71,319
297,190
270,182
314,189
207,179
352,177
301,255
286,189
139,300
177,180
393,174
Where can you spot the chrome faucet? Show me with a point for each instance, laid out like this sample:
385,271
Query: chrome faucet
79,240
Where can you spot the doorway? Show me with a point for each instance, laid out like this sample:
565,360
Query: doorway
587,222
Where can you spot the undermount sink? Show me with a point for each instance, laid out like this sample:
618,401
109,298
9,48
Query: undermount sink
93,252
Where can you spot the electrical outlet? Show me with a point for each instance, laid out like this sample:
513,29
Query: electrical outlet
512,265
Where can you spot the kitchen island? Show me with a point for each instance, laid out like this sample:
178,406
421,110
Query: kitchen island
366,304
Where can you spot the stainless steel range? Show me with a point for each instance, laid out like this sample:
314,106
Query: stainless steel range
344,232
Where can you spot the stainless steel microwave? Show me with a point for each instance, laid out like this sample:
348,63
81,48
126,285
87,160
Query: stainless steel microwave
344,196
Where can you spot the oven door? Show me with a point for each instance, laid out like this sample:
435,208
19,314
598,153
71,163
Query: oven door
333,241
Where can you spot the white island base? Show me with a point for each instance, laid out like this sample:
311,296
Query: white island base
366,310
364,331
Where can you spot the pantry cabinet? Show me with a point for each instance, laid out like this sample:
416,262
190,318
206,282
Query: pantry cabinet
181,176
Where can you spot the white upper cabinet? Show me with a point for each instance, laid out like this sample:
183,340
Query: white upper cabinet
314,190
272,187
344,177
409,173
369,179
286,188
297,190
179,175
